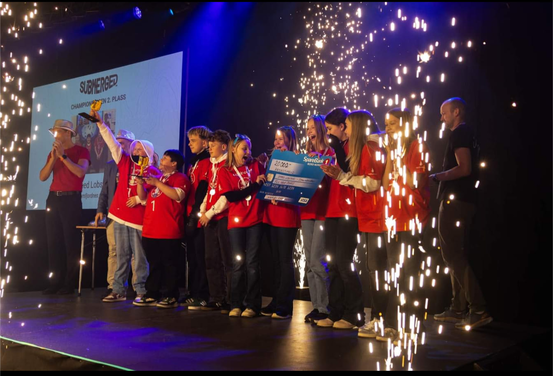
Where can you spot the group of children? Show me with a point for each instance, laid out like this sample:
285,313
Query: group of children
375,188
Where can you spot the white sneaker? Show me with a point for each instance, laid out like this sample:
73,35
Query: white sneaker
114,297
138,297
249,313
370,329
235,312
326,323
389,333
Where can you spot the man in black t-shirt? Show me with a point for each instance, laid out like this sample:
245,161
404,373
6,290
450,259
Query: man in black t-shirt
457,196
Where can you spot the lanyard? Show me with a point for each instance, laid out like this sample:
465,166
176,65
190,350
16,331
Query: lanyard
214,171
244,184
157,192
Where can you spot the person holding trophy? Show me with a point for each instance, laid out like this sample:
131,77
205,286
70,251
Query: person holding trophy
163,229
127,210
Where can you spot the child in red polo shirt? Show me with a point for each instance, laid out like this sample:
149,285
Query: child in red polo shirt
195,238
214,219
241,179
365,177
312,224
406,211
163,229
283,221
345,291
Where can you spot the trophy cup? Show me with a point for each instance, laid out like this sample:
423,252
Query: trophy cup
96,104
143,162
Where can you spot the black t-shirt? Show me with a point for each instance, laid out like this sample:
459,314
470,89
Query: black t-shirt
464,188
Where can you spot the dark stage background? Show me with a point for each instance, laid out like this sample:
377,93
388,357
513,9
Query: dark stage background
238,44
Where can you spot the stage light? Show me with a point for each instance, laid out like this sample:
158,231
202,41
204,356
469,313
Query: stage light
137,13
171,12
102,25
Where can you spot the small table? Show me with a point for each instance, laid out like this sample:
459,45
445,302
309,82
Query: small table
83,229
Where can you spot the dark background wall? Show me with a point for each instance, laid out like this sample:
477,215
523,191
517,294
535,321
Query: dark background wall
230,45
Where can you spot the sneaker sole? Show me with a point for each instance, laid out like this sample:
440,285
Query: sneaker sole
193,308
345,328
281,317
447,319
210,309
266,314
113,300
324,326
477,324
366,335
166,306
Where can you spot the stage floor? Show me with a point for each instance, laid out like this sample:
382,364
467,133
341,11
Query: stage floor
149,338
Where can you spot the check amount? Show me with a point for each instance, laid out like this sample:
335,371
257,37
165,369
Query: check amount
286,167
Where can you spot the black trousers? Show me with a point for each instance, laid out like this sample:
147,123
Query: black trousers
281,241
454,242
163,257
246,281
373,258
410,268
345,295
218,260
195,255
64,239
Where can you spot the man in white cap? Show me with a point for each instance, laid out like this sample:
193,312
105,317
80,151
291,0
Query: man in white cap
69,163
127,211
111,178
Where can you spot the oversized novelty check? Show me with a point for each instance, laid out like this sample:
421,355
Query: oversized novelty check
292,178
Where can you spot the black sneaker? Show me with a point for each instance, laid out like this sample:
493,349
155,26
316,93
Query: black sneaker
65,291
267,311
318,316
474,320
168,303
213,306
449,315
225,309
145,302
310,314
184,299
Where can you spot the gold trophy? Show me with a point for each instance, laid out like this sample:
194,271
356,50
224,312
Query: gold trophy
143,162
95,105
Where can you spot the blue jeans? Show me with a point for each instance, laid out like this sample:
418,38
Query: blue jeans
129,244
315,258
245,281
